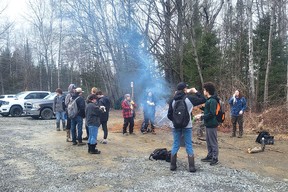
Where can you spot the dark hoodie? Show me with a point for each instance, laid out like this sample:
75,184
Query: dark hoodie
190,100
209,116
80,104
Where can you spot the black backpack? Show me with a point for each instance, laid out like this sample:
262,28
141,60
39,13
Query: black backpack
161,154
268,139
181,115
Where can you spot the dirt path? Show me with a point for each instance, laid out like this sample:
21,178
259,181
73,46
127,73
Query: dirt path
35,157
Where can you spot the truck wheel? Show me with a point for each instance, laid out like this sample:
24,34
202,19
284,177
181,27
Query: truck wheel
5,114
35,116
16,111
46,114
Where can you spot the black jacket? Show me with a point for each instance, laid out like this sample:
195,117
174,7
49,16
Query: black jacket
93,114
80,104
104,101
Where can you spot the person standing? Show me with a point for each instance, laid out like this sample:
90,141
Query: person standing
190,102
93,114
238,106
211,123
59,109
104,101
128,112
71,91
93,91
78,120
149,108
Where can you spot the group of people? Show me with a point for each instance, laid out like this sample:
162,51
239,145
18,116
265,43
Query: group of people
95,110
209,98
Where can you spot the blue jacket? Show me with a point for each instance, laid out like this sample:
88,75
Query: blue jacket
237,106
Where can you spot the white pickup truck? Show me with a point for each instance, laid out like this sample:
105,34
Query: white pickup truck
14,107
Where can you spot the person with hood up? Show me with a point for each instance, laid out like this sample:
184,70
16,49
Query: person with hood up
71,90
211,123
182,93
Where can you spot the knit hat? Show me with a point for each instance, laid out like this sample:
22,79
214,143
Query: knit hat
181,86
126,95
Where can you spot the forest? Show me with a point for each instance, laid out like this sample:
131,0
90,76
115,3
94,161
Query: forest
236,44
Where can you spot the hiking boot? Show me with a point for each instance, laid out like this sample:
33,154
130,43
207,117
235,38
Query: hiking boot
85,138
57,126
125,134
173,165
191,163
239,136
81,143
153,132
74,143
104,141
207,159
132,133
89,148
214,162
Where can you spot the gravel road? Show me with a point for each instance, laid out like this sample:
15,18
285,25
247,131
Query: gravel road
35,157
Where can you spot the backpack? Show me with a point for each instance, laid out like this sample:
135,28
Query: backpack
268,139
72,108
181,115
220,113
161,154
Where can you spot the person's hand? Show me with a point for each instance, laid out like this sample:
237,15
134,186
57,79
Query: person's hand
103,108
198,117
241,112
132,102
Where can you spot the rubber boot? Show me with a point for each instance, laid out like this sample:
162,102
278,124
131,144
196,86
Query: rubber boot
173,165
191,163
93,149
88,147
58,126
63,126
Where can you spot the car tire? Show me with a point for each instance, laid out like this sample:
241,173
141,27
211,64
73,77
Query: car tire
5,114
16,111
46,114
35,116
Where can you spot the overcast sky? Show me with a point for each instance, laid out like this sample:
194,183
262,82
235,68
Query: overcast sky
15,9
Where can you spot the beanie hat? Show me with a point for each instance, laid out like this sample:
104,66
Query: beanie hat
126,95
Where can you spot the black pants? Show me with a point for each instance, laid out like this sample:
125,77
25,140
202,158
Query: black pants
237,119
129,121
105,129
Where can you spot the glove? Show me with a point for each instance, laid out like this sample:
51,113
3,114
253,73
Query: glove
132,102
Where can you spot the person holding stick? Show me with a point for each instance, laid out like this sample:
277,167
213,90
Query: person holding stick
128,113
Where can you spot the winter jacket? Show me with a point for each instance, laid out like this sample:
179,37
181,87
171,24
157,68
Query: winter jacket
93,114
59,103
80,104
127,112
237,106
104,101
149,107
209,117
190,101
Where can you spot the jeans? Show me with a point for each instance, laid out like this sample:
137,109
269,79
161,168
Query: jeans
60,115
187,133
93,132
129,121
79,122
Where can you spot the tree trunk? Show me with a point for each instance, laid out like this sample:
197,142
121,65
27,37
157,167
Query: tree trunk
251,64
269,59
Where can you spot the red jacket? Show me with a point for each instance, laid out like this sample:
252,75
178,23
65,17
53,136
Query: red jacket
127,112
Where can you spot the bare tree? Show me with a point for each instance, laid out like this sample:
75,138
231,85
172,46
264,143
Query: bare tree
269,59
251,61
